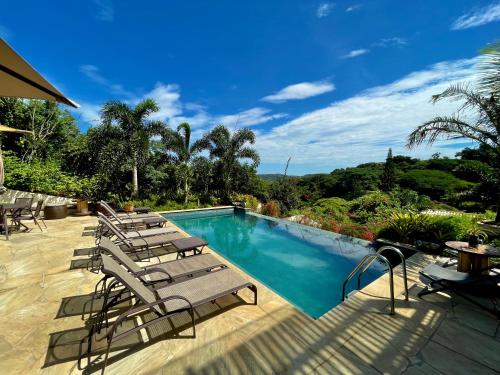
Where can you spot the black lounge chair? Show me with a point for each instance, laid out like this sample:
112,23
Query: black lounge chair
163,302
438,278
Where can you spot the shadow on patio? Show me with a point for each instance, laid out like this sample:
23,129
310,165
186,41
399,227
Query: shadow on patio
357,337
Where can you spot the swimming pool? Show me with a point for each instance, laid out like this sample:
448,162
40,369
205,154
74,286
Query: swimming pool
304,265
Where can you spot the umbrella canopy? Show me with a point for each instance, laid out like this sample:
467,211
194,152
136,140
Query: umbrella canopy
8,129
19,79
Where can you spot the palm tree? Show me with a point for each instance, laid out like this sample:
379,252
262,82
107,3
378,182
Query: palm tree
489,65
484,129
133,131
178,144
228,149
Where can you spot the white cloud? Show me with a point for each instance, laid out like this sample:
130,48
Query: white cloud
168,98
324,9
106,11
352,8
478,17
172,110
249,117
355,53
361,128
92,72
300,91
88,113
390,42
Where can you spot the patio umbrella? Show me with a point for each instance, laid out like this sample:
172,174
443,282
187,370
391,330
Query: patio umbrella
19,79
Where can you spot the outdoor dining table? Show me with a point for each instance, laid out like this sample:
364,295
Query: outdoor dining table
4,209
473,259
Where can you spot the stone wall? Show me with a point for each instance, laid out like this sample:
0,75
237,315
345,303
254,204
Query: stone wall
10,196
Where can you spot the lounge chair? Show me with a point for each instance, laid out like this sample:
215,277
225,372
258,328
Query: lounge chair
438,278
166,271
127,220
133,244
163,303
106,224
107,208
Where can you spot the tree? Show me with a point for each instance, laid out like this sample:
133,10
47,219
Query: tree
133,131
388,175
227,150
178,145
484,129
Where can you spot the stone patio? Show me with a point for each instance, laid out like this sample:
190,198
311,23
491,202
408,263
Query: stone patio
43,291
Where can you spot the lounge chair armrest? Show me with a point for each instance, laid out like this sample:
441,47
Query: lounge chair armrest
152,269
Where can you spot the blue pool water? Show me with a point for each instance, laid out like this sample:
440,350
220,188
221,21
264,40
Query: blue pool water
304,265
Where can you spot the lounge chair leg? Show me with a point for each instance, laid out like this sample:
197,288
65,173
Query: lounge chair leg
107,354
253,288
191,312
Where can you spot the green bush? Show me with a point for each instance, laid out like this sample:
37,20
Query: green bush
45,178
407,224
436,184
249,200
286,193
335,208
451,228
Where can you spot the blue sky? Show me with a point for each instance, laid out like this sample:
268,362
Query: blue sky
331,84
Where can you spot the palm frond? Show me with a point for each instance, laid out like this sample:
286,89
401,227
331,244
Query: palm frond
249,153
447,127
489,67
145,108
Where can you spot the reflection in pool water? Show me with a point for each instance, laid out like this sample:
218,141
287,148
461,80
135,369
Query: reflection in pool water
304,265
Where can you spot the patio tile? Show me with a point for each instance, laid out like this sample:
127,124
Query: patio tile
450,362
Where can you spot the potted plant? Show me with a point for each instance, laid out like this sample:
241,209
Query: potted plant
128,206
476,236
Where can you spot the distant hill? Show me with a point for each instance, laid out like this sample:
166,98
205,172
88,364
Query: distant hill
270,177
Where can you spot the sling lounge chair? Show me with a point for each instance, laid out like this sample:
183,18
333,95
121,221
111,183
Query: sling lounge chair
136,244
166,271
112,212
132,233
437,279
164,302
135,220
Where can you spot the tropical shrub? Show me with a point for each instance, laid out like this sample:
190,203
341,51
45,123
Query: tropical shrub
41,177
407,224
335,208
271,208
249,200
286,194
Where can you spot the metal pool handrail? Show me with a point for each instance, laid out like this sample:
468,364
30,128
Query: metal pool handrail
367,261
403,262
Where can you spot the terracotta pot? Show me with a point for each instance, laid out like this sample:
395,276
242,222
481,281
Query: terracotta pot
82,206
128,207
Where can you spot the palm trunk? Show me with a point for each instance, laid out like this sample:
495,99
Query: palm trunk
186,190
135,180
